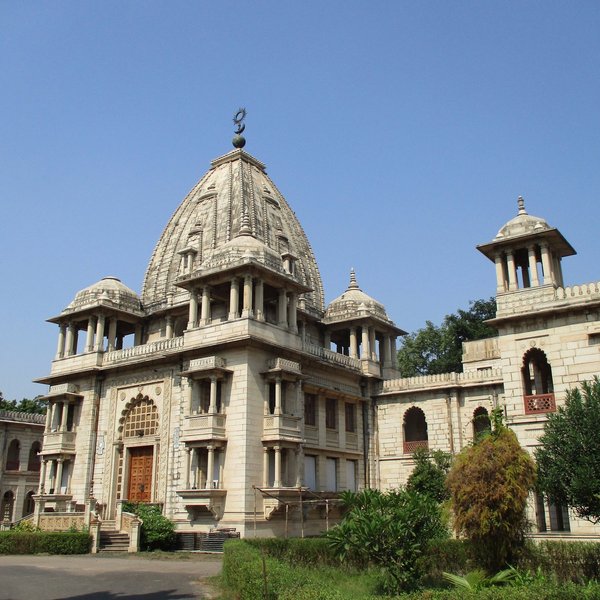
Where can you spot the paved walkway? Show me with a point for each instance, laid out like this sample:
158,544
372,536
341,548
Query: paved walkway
102,577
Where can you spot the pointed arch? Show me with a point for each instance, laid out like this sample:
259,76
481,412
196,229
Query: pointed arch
13,461
139,418
481,422
538,386
33,464
415,430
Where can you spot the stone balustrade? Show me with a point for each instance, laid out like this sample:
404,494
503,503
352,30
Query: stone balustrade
331,356
284,365
441,380
115,356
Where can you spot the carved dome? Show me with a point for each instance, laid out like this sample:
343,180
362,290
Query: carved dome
354,303
209,220
109,291
522,224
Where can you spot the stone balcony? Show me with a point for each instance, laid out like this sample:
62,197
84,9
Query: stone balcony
539,404
77,362
59,442
204,427
202,502
410,447
282,428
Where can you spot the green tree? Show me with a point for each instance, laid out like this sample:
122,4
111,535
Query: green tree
428,476
157,532
32,406
433,349
489,485
391,530
569,456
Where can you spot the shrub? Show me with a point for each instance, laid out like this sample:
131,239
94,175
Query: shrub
51,542
298,551
429,474
158,533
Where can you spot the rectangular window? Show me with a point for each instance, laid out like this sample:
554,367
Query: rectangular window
310,472
351,475
310,409
331,413
331,475
350,417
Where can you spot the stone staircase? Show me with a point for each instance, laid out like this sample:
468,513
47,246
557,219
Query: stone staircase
112,540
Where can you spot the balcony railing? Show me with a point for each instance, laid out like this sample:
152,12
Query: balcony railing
59,441
277,427
410,447
539,404
207,426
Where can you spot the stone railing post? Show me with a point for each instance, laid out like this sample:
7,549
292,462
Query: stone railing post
134,535
119,516
90,509
95,533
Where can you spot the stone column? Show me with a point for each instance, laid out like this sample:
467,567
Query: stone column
547,264
277,482
69,344
60,348
393,351
247,308
58,475
205,306
353,343
387,355
234,293
112,333
282,309
119,343
190,395
221,461
42,488
210,465
500,280
69,476
212,407
188,452
89,338
278,410
48,418
64,415
100,333
169,327
259,298
196,467
299,465
265,466
327,340
193,312
365,350
513,284
292,313
372,343
137,336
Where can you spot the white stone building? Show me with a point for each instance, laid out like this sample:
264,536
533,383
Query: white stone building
232,396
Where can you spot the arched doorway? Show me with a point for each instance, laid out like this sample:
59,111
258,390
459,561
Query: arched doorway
415,430
481,422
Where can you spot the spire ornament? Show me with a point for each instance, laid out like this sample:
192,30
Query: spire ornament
353,283
239,141
521,205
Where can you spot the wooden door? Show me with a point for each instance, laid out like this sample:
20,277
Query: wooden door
140,474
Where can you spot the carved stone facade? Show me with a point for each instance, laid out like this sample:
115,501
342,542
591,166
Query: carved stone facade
232,396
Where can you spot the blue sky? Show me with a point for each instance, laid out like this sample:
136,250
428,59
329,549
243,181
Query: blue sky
400,132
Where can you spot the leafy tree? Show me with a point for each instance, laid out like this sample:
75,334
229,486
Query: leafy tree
157,532
429,474
32,406
489,484
569,457
390,529
432,349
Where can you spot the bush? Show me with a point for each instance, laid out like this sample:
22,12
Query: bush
158,533
50,542
298,551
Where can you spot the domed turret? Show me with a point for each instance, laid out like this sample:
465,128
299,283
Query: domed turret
210,220
109,291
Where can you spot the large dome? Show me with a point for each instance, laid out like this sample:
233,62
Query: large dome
210,217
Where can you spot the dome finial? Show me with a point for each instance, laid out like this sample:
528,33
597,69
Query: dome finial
239,141
353,283
521,205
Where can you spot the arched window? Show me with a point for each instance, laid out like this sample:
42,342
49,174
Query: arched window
140,418
537,382
415,430
481,422
33,464
28,504
12,456
8,503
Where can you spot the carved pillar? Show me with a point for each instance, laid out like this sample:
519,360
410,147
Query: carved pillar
112,333
353,343
247,308
265,466
221,463
234,292
60,348
299,465
42,488
69,351
387,355
89,338
259,298
205,307
100,323
327,340
137,336
210,466
69,475
513,284
277,482
547,264
64,415
190,395
292,313
278,410
212,407
48,418
500,277
365,349
188,452
282,309
193,312
58,475
169,327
